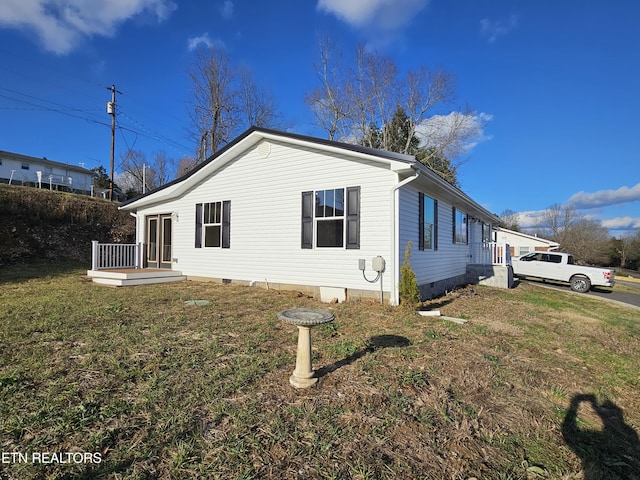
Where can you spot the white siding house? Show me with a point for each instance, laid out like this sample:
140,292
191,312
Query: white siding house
19,169
521,243
291,211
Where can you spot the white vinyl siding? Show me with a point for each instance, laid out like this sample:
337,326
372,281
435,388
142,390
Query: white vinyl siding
449,260
265,194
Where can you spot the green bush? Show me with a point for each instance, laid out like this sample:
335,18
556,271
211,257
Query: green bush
409,292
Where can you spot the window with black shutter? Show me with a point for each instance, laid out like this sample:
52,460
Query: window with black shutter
427,222
198,225
213,224
331,218
353,217
307,219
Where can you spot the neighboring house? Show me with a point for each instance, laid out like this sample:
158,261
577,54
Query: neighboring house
118,195
295,212
521,243
20,169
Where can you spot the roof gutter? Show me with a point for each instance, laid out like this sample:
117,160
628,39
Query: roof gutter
395,229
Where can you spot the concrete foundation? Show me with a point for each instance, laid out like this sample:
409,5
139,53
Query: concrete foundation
438,288
326,294
500,276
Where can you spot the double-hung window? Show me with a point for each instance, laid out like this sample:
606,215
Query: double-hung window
427,222
486,233
213,222
460,226
331,218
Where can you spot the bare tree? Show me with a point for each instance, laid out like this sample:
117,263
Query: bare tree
557,222
131,177
583,237
634,250
141,175
185,165
510,220
162,168
627,249
225,102
329,101
588,241
358,104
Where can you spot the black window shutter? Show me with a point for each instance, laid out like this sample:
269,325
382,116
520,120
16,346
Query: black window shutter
226,224
307,220
353,217
466,229
435,224
198,225
420,221
453,221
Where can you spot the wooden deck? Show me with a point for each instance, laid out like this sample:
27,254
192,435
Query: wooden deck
123,277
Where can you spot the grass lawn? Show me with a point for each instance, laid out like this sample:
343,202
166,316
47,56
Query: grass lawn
538,384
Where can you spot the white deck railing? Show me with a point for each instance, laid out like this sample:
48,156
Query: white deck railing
490,253
115,255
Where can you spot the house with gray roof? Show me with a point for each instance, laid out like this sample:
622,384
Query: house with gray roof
18,169
289,211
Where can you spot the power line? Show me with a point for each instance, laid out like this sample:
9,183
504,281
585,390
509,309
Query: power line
50,109
154,135
76,113
71,82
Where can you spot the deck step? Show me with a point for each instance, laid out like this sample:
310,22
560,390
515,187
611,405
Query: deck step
130,277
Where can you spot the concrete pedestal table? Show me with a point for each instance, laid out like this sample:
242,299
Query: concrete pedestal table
304,319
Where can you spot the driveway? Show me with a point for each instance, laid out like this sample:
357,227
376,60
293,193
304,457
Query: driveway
627,298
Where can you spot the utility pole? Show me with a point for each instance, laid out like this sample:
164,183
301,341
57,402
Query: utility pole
111,110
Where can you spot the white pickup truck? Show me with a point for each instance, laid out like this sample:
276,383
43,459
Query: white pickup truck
560,266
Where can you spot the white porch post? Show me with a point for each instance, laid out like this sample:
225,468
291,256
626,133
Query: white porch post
139,255
94,255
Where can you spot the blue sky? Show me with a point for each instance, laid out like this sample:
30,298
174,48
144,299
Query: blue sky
557,82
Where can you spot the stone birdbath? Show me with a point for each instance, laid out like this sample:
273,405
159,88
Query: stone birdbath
304,319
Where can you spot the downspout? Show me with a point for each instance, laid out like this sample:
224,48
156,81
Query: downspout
135,215
395,229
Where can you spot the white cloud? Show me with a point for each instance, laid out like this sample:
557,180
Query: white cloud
468,129
205,40
531,218
226,10
61,24
387,15
604,198
622,223
534,219
493,29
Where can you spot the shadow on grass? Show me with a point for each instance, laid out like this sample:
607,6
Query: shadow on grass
441,302
29,271
610,453
374,343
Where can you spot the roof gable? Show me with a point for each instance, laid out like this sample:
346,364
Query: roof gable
525,236
404,165
252,137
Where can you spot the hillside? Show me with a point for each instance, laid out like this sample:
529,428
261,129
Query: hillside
41,224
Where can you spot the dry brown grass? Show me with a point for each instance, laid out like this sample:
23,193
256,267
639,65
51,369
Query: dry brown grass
168,390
